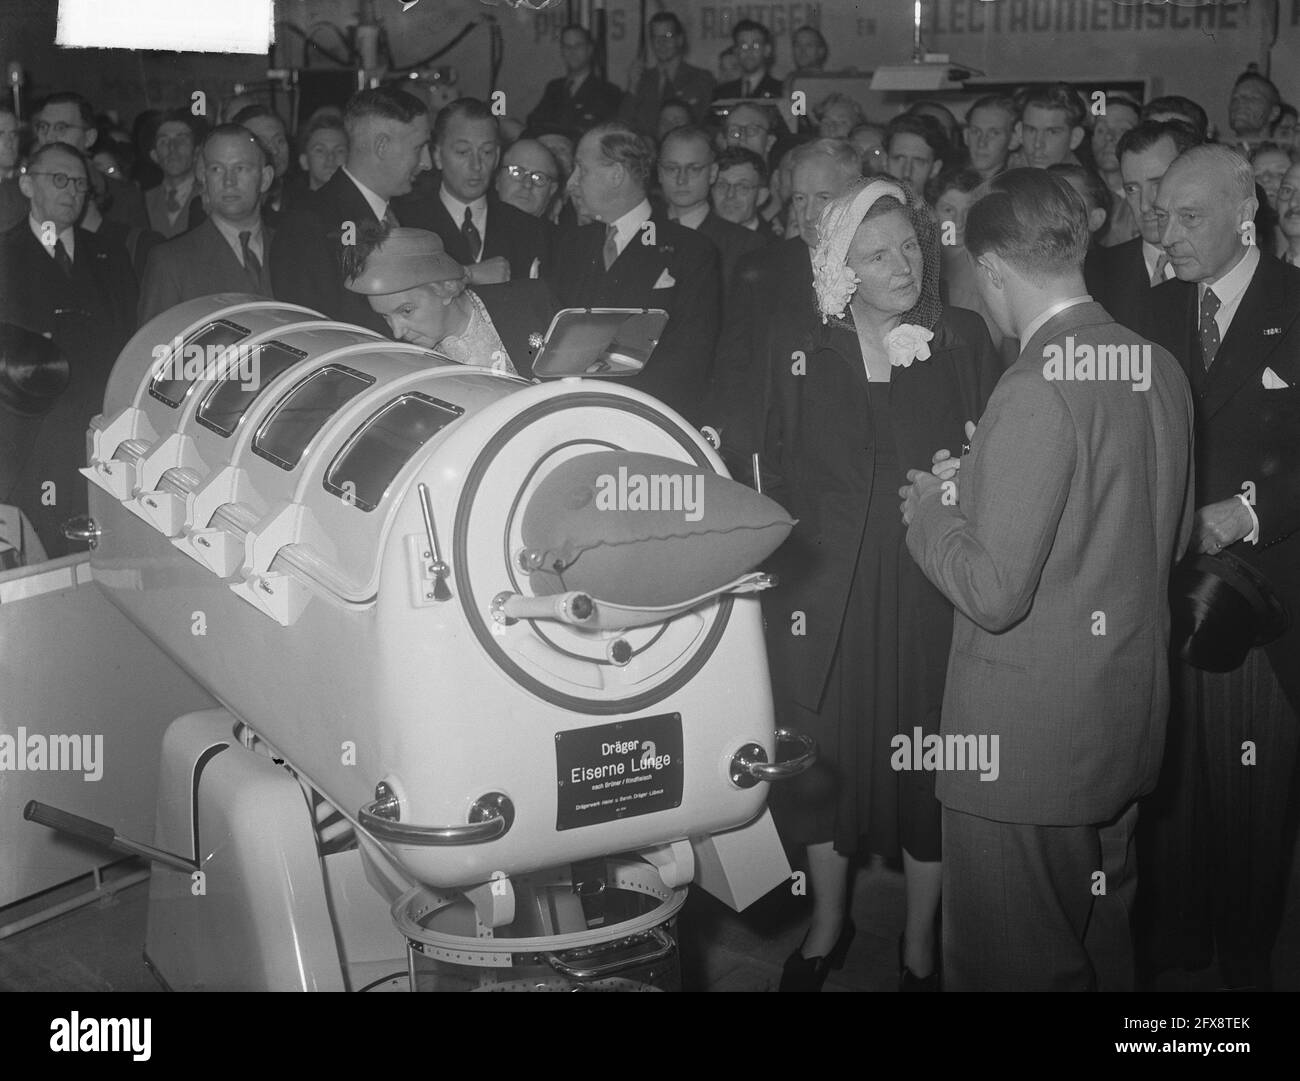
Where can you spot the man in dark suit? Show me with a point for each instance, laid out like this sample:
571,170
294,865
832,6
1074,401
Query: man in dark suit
1055,549
388,147
476,227
771,300
13,207
1232,318
1121,278
420,292
175,206
69,118
229,251
753,44
631,256
687,170
60,281
670,77
580,99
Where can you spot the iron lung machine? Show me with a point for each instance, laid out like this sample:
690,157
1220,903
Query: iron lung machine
324,528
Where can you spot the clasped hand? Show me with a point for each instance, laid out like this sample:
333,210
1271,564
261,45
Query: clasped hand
942,471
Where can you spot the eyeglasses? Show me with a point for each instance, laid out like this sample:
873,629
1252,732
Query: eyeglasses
691,171
79,183
59,130
751,47
530,179
746,131
743,188
664,35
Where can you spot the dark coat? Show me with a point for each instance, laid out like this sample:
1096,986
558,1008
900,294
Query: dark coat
196,264
519,238
1246,432
768,87
307,259
733,242
691,84
522,312
767,316
89,317
679,272
595,102
818,460
1117,279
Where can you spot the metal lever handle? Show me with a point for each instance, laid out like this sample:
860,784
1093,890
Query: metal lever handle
490,817
82,527
441,592
656,947
98,833
749,765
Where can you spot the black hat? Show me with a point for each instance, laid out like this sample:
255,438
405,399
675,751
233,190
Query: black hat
1221,608
33,371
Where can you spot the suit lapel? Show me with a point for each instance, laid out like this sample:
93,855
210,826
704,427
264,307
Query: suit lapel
1248,345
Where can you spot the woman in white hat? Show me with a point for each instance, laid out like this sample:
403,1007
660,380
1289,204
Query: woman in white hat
859,638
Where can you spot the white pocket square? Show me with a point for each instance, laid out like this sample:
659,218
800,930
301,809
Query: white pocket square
666,281
534,271
1273,381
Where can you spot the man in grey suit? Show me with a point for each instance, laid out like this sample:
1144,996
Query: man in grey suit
1074,503
228,252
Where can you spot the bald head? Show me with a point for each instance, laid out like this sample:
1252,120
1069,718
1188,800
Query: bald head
1205,210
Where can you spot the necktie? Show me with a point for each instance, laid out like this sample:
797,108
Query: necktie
1158,275
1209,329
471,235
390,219
611,245
251,263
61,258
173,202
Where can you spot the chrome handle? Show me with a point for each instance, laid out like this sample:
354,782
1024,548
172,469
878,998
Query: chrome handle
656,947
749,765
441,592
490,817
82,527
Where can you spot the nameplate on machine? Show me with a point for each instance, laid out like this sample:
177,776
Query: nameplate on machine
617,771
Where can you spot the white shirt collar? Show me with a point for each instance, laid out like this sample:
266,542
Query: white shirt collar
65,234
630,223
1037,324
1230,289
232,238
477,210
692,218
375,201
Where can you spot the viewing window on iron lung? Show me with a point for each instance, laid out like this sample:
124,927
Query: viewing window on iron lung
376,452
304,411
177,375
229,400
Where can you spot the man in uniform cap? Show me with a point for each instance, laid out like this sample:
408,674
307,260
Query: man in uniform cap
421,293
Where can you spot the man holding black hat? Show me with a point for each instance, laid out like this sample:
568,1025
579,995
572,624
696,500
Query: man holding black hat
1232,318
420,292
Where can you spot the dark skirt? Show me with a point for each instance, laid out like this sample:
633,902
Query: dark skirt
886,680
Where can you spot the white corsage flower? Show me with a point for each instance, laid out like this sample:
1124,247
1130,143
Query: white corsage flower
906,343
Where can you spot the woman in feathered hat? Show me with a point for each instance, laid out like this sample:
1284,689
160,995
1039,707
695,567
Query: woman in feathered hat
858,637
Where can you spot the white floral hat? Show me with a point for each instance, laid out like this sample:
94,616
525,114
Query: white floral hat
833,281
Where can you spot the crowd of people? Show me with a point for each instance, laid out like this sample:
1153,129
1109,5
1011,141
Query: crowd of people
854,304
